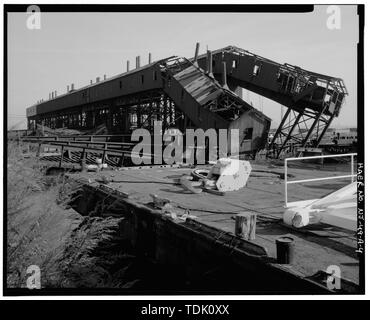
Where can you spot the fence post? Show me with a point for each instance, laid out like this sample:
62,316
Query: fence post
83,160
104,154
69,150
38,150
121,160
61,156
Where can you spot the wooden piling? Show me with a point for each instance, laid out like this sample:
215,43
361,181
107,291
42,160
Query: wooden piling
245,225
38,150
121,160
83,160
104,153
61,157
69,150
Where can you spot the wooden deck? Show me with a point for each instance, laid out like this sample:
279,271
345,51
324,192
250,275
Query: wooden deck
316,247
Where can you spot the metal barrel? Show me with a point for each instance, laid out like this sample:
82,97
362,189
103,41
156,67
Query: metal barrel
285,250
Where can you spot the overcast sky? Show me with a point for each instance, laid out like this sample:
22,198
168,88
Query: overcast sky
77,47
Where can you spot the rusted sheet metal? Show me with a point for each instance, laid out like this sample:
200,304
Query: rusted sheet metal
187,103
198,85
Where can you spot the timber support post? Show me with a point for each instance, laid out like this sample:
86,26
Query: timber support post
61,156
245,225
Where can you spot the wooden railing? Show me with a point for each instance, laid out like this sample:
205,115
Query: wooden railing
123,153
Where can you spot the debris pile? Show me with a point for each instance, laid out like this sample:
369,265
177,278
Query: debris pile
226,175
45,131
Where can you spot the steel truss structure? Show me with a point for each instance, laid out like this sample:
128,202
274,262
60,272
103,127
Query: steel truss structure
304,129
306,126
195,93
121,115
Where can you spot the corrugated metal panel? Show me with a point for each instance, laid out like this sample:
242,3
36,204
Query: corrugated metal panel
198,85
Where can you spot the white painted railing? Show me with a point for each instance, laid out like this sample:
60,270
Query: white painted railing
352,175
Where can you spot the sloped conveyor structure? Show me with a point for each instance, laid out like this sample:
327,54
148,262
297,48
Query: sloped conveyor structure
312,100
206,104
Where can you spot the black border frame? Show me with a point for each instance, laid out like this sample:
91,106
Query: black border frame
155,9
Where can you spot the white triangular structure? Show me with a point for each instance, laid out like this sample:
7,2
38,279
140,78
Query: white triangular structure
338,209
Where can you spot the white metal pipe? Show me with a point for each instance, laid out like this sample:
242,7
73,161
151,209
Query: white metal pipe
319,157
286,182
320,179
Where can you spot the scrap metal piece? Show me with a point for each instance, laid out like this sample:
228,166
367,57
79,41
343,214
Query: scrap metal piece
214,191
186,182
158,202
232,174
103,180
